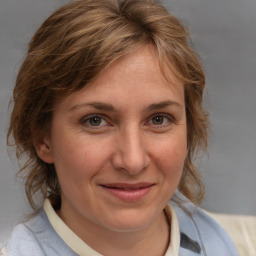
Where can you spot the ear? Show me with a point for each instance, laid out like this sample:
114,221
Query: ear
44,149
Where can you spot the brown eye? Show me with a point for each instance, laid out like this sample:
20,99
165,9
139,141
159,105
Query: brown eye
95,120
158,120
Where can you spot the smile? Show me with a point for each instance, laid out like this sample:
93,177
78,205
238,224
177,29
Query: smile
128,192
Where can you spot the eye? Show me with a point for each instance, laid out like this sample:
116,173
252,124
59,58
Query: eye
94,121
160,120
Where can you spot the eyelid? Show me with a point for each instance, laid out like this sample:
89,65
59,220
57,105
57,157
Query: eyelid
164,115
170,120
86,118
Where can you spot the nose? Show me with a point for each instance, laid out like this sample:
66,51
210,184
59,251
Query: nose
131,154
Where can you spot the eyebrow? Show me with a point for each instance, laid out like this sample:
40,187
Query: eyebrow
97,105
109,107
164,104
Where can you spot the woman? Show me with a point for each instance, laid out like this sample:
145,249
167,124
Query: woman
108,112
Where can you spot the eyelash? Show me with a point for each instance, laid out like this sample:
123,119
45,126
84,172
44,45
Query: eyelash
88,118
167,120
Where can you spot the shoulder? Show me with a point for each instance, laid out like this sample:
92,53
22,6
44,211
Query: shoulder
23,242
36,237
196,224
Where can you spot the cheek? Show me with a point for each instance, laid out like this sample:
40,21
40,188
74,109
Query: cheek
171,156
77,159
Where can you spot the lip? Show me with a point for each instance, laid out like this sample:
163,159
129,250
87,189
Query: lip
128,191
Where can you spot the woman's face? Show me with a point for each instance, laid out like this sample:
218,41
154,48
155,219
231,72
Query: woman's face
119,146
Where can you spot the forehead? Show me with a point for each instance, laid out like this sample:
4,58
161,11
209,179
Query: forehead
139,66
148,56
136,76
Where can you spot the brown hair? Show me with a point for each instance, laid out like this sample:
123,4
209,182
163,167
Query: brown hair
70,50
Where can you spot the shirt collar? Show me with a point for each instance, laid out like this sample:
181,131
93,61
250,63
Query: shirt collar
82,249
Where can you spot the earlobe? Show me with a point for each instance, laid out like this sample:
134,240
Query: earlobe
44,150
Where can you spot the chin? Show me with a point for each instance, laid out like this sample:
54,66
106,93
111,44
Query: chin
130,221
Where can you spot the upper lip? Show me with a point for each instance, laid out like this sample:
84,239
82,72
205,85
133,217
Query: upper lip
128,186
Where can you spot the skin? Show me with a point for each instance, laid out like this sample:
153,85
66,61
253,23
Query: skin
126,128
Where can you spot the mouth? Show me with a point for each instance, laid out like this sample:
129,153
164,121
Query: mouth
127,191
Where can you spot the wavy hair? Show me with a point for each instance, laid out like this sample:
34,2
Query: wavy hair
70,49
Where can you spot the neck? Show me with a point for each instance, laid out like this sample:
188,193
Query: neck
152,240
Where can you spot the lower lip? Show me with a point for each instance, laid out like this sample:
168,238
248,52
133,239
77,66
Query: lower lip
129,195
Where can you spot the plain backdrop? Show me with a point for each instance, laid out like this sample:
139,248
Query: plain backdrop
223,32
